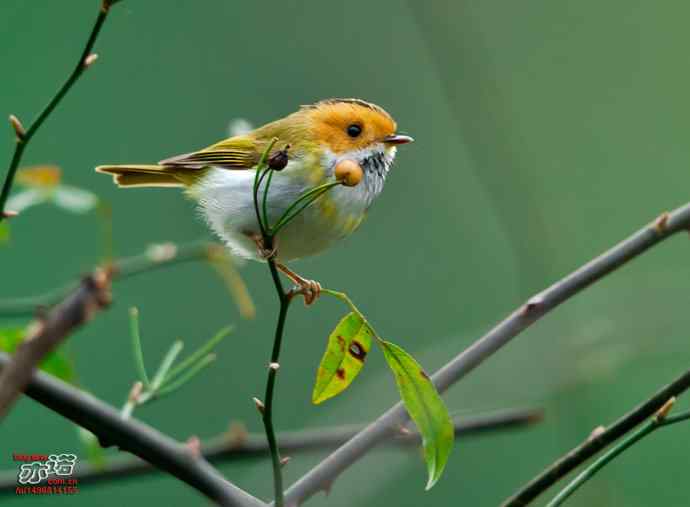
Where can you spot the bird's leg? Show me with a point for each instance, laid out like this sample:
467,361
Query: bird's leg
310,289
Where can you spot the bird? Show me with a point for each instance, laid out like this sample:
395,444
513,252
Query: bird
319,140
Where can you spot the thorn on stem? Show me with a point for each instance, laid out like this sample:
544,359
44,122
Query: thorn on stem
19,129
9,214
596,432
661,222
259,405
194,445
284,461
89,60
662,413
274,366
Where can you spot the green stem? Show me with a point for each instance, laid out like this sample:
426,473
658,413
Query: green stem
310,196
652,425
23,140
258,177
136,347
284,299
346,299
264,199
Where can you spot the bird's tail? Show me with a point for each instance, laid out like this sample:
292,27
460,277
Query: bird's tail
136,175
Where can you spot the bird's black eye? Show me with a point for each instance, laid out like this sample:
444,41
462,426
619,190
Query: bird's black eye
354,130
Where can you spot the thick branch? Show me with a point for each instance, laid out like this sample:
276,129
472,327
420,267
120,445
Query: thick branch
46,333
238,446
133,436
24,136
597,442
323,475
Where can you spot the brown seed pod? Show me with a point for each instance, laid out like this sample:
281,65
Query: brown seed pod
279,160
349,172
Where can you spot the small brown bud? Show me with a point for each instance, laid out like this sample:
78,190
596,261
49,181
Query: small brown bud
349,172
279,160
661,222
662,413
194,445
18,127
596,432
89,60
135,392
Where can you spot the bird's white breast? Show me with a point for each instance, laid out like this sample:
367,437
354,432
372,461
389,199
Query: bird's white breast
226,201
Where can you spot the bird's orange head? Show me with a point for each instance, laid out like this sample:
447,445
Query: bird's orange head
339,125
344,125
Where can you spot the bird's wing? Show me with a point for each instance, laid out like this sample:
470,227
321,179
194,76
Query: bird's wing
240,152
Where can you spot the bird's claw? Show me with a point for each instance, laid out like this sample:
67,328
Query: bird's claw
310,289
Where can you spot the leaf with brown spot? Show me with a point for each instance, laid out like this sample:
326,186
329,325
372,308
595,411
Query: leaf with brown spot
347,349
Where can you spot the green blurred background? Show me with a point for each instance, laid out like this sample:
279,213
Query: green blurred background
545,132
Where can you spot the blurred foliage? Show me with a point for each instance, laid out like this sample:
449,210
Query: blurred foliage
545,132
56,363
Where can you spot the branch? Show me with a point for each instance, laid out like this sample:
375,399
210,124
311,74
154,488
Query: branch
157,256
658,421
266,410
133,436
594,444
237,445
86,59
323,474
92,294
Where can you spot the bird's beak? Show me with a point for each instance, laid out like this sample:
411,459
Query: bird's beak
397,139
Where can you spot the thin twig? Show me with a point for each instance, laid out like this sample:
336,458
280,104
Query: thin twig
157,256
596,443
323,474
86,59
133,436
239,446
652,425
46,333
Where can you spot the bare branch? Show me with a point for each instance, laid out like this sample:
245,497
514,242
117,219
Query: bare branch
597,442
157,256
25,135
133,436
238,445
322,475
92,294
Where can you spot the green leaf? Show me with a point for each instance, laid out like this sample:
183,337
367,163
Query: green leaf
4,232
56,363
348,346
92,448
425,406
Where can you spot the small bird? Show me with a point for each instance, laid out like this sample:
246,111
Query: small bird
317,139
